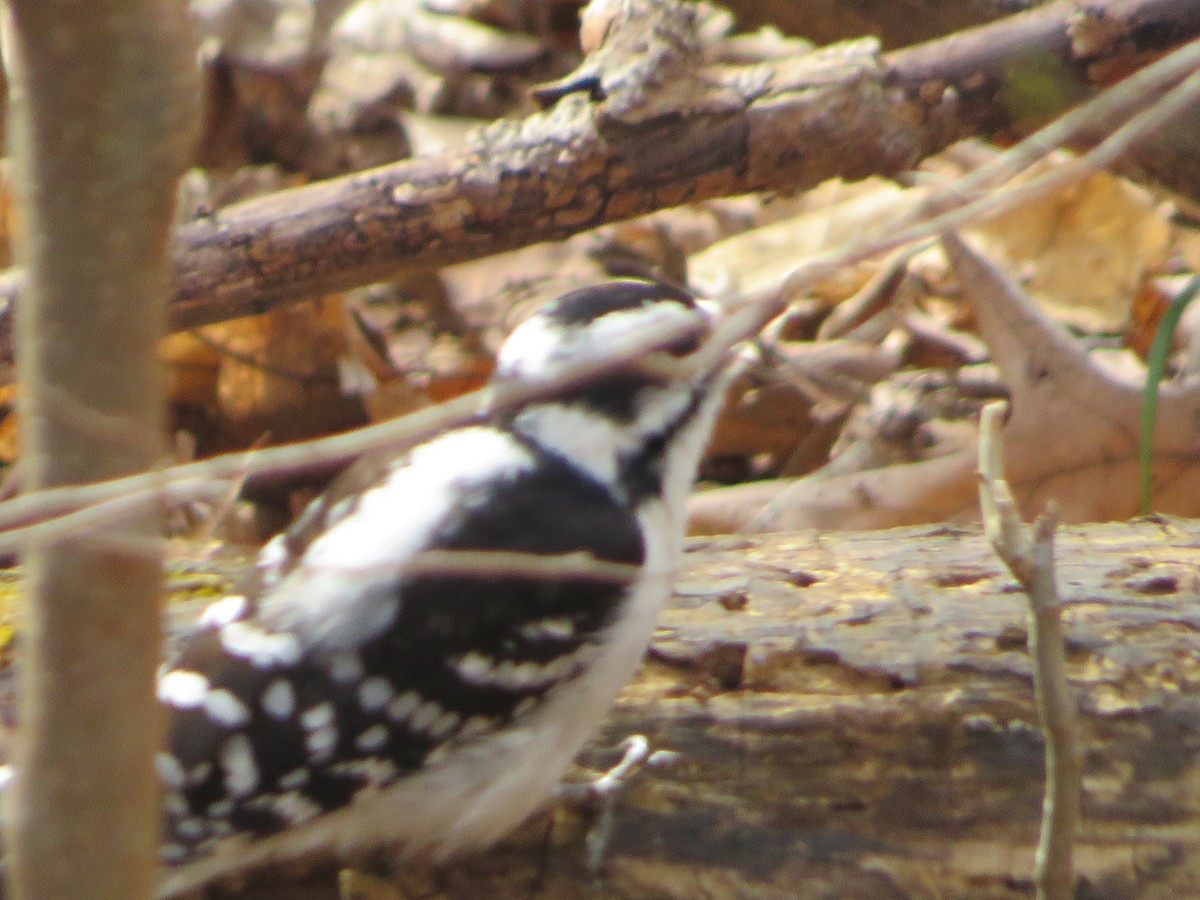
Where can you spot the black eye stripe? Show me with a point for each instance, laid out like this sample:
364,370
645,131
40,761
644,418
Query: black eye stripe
687,345
587,304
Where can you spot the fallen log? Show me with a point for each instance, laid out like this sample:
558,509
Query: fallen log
853,718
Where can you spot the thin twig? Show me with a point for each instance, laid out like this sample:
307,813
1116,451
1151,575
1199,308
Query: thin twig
1123,100
112,509
504,564
962,203
1029,555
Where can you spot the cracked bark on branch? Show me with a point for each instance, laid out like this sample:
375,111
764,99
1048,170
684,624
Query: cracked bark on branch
707,132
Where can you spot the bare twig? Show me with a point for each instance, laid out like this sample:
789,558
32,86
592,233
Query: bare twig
224,503
116,508
1029,555
511,564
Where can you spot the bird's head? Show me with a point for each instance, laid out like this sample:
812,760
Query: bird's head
637,426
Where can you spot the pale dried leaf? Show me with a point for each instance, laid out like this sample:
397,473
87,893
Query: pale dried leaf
934,490
761,258
1082,252
1073,433
192,368
1072,437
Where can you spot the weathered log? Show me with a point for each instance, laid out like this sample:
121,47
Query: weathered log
854,718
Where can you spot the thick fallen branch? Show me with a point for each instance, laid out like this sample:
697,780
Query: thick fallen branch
710,132
855,718
896,25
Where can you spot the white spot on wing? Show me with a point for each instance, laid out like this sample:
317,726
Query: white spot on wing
279,699
372,739
425,715
226,610
321,743
319,716
264,649
345,668
472,667
182,689
554,628
239,766
172,853
199,774
374,693
482,671
297,778
403,706
175,804
190,828
476,725
444,724
374,771
170,771
226,709
295,808
221,809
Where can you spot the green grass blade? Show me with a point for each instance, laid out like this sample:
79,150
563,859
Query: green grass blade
1156,364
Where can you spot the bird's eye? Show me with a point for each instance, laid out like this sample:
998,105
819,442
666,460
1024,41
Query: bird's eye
688,343
684,346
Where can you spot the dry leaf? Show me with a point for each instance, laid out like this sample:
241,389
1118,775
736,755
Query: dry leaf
282,372
1149,306
9,214
1073,432
762,257
1072,437
10,424
193,365
1082,252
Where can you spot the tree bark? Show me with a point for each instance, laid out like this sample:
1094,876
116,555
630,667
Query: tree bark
103,110
895,24
854,719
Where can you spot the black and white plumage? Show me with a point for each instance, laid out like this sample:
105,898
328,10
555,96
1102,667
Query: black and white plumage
354,699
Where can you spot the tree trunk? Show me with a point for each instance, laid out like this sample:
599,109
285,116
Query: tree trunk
102,103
